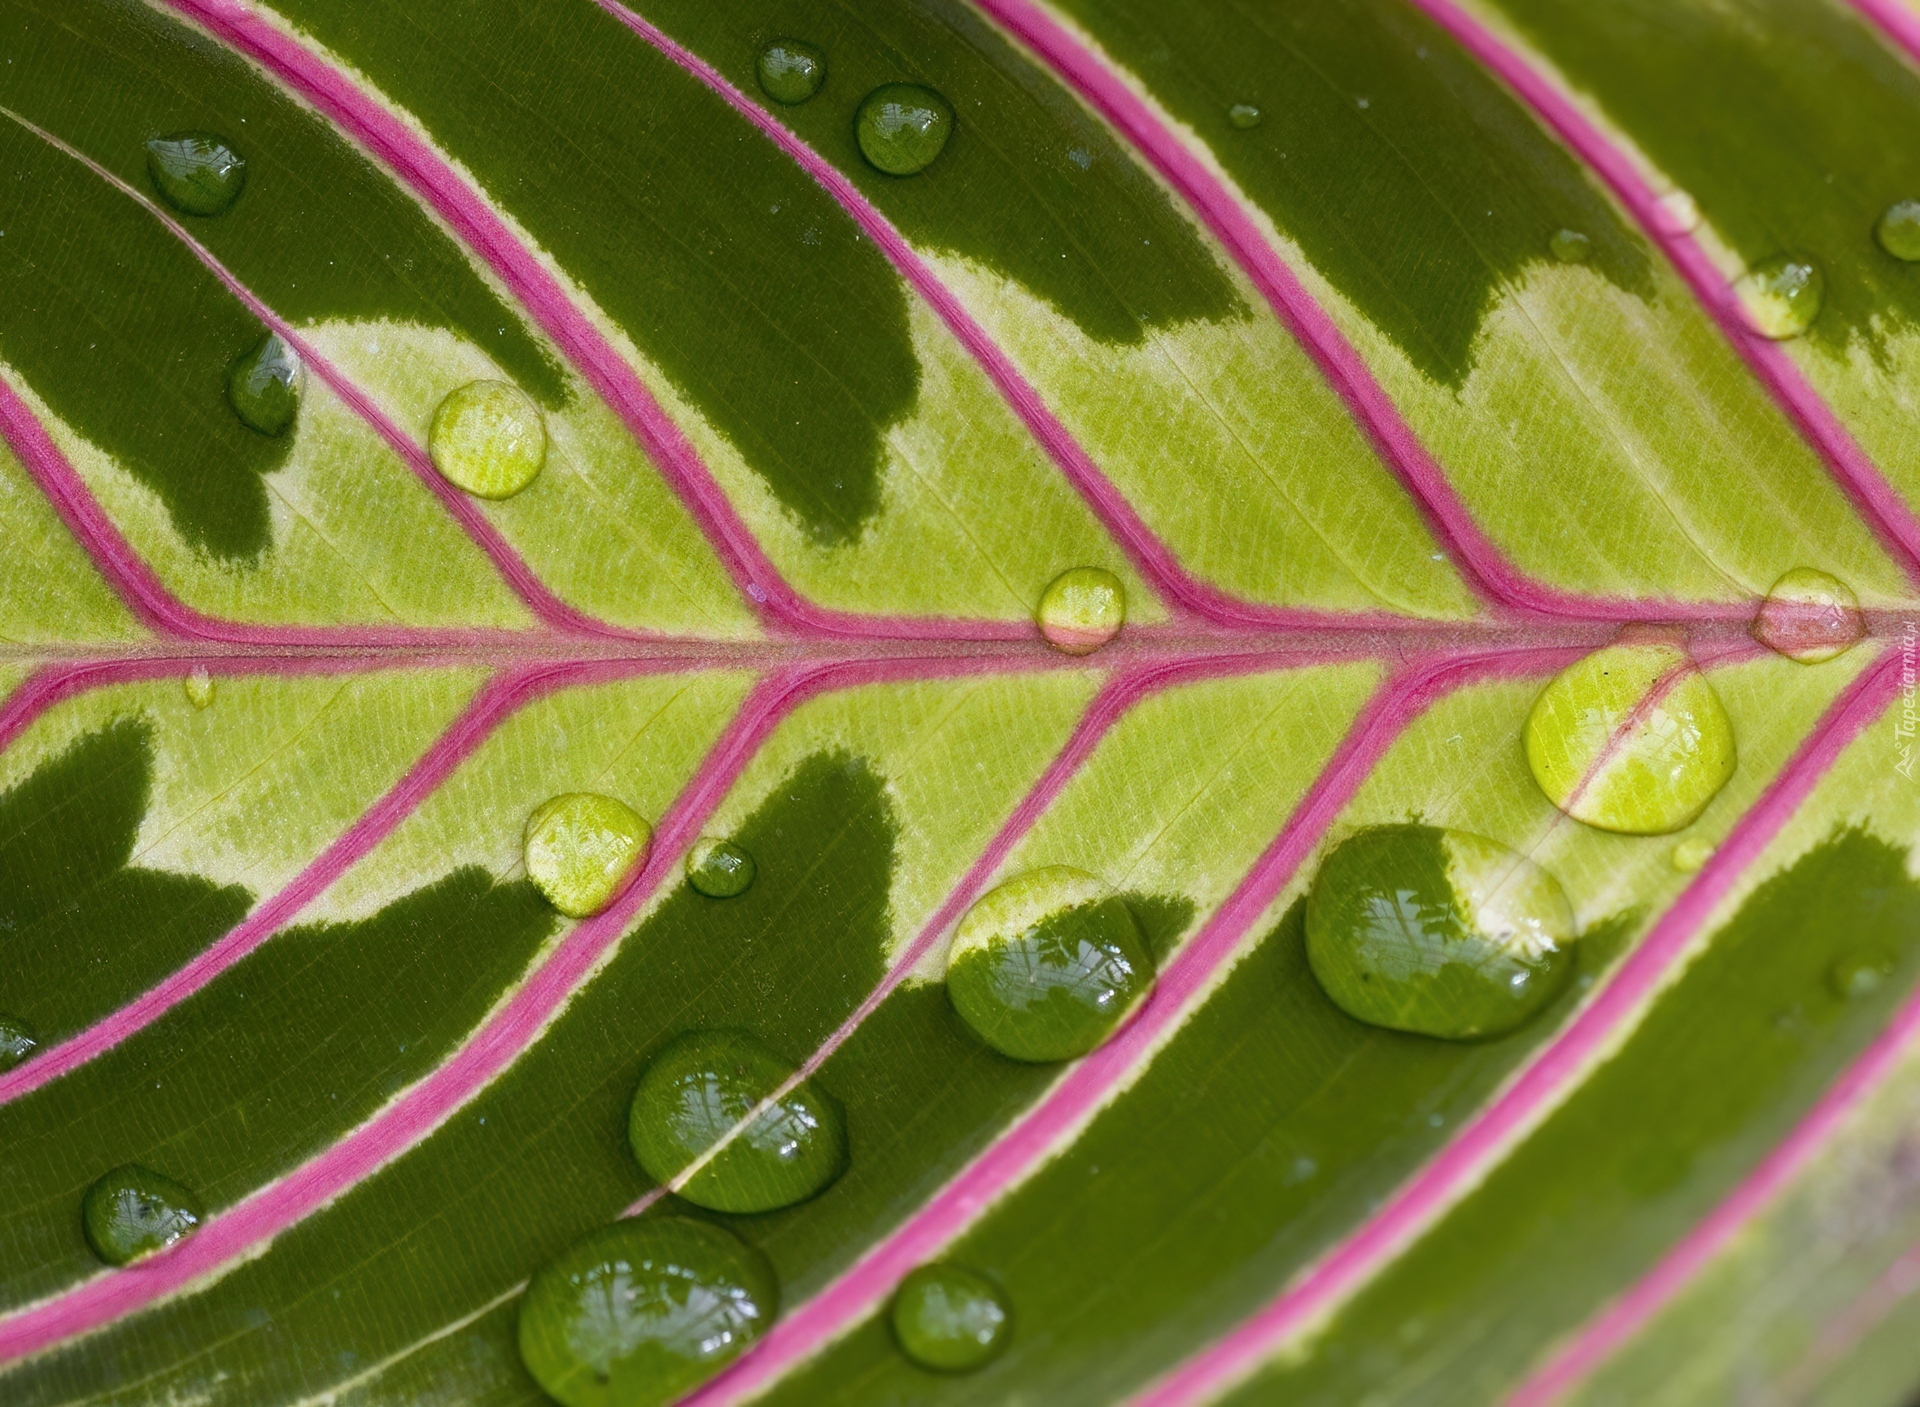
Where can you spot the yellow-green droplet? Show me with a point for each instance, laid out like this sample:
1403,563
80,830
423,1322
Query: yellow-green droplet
582,848
1244,116
949,1319
1810,617
902,127
196,173
1082,609
1570,246
1632,738
18,1040
791,70
1859,972
1691,855
488,438
199,686
1898,230
718,868
134,1211
263,387
1782,295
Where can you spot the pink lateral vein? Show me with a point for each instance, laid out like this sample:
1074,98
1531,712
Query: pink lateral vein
1544,1080
1852,469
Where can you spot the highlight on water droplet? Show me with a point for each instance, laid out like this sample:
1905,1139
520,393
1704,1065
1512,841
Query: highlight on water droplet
199,686
1679,213
1082,609
641,1312
950,1319
196,173
263,386
1690,856
700,1089
581,848
1810,617
719,869
18,1040
1898,230
902,127
488,438
1632,738
1782,295
134,1211
791,70
1046,966
1860,972
1570,247
1437,932
1244,116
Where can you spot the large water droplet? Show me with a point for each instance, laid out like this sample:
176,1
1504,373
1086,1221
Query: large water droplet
581,849
198,686
949,1319
719,869
1047,965
1570,246
263,387
1632,738
1245,116
1782,295
791,70
18,1040
1082,609
641,1312
1898,230
196,173
1437,932
902,127
1810,617
703,1084
134,1211
488,438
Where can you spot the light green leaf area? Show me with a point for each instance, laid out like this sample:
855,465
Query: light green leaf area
49,590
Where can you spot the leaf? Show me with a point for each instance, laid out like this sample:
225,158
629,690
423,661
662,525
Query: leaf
1389,355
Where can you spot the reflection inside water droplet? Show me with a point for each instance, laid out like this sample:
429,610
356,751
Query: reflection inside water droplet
18,1040
902,127
263,387
791,70
720,869
1898,230
198,686
488,438
581,848
1810,617
134,1211
1244,116
1782,295
1570,247
950,1319
1081,610
196,173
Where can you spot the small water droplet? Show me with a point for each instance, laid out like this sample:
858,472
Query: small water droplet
487,438
18,1040
1570,247
1898,230
1046,966
1679,214
581,848
263,386
1081,610
199,687
653,1305
719,868
134,1211
1691,855
1632,738
1438,932
703,1084
791,70
902,127
950,1319
196,173
1782,295
1244,116
1810,617
1860,972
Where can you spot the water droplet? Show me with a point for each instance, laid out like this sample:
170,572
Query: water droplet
1632,738
1082,609
719,868
488,438
581,849
1860,972
949,1319
902,127
263,386
1810,617
1679,214
1244,115
1570,247
1782,295
703,1084
1898,231
196,173
1438,932
18,1040
199,687
1046,966
134,1211
641,1312
1691,855
791,70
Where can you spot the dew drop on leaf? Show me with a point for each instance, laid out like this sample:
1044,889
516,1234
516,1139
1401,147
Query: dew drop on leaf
641,1312
718,868
196,173
1810,617
1570,247
1679,213
1691,855
1437,932
1244,116
950,1319
134,1211
1046,966
699,1089
1782,295
263,387
198,686
18,1040
902,127
1082,609
791,70
581,849
1898,230
487,438
1858,973
1632,738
